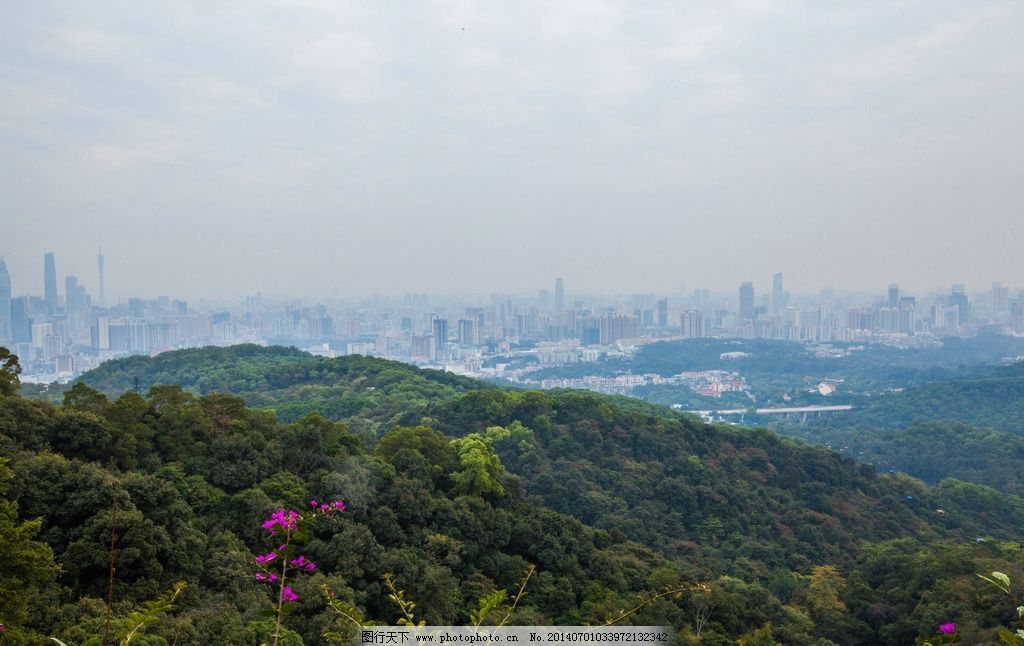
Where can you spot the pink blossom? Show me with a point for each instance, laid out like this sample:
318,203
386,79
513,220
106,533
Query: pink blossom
947,629
339,505
287,594
282,519
266,558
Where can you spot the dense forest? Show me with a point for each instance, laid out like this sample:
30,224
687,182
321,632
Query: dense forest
967,428
454,490
292,383
992,398
947,411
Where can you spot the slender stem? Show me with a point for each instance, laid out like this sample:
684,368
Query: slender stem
646,602
529,572
280,591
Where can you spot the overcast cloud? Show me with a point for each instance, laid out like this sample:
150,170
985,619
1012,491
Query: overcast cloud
331,148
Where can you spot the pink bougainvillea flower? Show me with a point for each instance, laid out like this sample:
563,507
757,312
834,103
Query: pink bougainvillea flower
947,629
287,594
266,558
281,520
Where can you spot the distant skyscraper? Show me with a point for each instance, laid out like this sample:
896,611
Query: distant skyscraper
75,298
691,324
894,295
21,324
959,299
615,327
50,282
440,335
544,300
663,313
907,315
1000,299
5,302
747,301
559,297
777,293
99,261
468,332
70,289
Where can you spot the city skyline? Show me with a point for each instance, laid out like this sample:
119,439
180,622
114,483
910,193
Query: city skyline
57,337
333,149
96,279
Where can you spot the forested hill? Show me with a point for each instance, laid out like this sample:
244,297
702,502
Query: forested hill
738,498
992,398
796,544
289,381
968,428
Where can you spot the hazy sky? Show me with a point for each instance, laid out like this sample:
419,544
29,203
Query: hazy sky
333,148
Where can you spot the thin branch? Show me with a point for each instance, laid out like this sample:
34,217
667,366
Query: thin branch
701,587
530,569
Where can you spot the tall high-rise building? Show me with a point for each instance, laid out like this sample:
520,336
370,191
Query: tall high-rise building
777,293
559,298
907,315
617,326
99,261
959,299
21,324
747,301
894,295
691,324
663,313
50,282
5,302
99,333
440,327
75,298
1000,300
468,332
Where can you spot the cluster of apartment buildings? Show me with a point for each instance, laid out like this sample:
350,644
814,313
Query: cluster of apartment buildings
58,335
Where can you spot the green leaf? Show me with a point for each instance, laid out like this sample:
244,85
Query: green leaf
1004,586
1008,638
486,606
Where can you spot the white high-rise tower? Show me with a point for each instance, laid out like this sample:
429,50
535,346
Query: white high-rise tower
99,261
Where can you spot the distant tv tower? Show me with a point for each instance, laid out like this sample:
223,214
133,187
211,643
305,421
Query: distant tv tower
99,261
